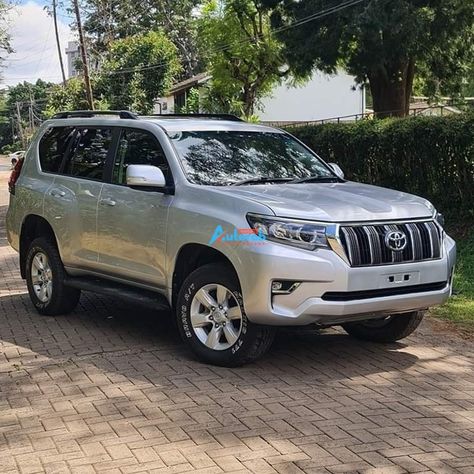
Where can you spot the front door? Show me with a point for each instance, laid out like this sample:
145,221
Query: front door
132,222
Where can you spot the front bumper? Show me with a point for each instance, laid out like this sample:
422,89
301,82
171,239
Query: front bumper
324,273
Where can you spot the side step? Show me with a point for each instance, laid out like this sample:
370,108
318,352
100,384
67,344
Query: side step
118,290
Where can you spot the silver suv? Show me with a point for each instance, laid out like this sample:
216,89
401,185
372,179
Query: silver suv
238,227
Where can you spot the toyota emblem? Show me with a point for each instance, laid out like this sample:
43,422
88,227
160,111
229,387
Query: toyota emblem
396,240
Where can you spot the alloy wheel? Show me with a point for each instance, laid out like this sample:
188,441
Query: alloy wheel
216,317
42,277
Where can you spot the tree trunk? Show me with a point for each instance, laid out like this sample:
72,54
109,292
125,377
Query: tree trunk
391,91
248,99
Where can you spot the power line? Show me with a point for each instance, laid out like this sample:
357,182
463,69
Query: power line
307,19
315,16
44,48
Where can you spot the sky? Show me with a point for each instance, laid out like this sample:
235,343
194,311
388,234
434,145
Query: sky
33,39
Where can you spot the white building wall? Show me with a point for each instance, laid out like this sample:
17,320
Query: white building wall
323,96
164,105
72,54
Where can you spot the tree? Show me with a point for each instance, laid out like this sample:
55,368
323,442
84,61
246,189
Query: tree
25,105
108,20
5,128
456,85
243,57
4,36
138,70
379,41
72,96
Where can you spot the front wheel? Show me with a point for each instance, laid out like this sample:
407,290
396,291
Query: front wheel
390,329
212,320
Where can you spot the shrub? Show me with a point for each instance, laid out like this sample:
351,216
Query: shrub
429,156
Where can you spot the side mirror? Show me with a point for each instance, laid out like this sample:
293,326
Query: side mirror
337,169
145,175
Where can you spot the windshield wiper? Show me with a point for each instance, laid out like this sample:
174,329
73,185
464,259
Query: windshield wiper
317,179
261,180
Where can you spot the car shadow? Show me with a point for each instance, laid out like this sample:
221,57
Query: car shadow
101,328
315,391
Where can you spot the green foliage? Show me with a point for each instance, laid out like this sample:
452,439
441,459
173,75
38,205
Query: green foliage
139,88
383,42
460,308
4,36
429,156
5,127
106,21
30,99
72,96
25,92
243,57
192,102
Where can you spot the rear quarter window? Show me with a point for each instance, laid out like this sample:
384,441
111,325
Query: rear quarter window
53,146
89,153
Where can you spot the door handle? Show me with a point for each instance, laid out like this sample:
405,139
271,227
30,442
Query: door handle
57,193
107,202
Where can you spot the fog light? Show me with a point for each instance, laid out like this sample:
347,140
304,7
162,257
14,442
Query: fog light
284,287
277,286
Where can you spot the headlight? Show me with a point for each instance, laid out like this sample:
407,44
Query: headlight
439,218
302,234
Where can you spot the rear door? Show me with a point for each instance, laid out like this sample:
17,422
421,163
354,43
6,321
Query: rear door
71,201
132,222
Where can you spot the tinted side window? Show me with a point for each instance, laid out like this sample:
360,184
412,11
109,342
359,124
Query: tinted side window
52,147
89,153
138,147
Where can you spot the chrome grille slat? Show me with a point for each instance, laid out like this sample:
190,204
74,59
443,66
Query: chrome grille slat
374,244
352,245
365,244
416,241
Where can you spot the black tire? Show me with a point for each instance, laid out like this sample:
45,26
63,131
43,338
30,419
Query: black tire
253,340
63,299
392,329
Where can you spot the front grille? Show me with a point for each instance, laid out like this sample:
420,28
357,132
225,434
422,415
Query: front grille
365,244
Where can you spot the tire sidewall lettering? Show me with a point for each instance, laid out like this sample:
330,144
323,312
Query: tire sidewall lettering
185,318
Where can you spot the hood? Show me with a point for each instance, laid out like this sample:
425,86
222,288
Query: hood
335,202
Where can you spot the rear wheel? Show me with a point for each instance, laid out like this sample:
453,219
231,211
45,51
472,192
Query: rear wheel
390,329
212,320
45,279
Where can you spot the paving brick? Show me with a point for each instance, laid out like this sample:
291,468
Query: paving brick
110,388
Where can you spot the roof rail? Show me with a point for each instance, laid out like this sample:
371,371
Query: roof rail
231,117
123,114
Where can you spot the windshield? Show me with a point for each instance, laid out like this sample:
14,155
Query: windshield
229,157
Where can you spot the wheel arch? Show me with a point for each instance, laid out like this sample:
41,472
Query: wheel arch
33,226
190,257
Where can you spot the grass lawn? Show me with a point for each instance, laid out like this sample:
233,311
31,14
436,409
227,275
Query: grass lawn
460,308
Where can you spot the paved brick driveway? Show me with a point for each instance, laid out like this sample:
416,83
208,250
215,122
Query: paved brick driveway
110,388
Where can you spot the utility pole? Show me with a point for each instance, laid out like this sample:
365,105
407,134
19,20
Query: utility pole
30,116
82,46
58,44
20,125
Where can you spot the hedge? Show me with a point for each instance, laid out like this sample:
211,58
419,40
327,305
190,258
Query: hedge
432,157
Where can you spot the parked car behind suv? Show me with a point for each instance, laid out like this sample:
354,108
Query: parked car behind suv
238,227
14,157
